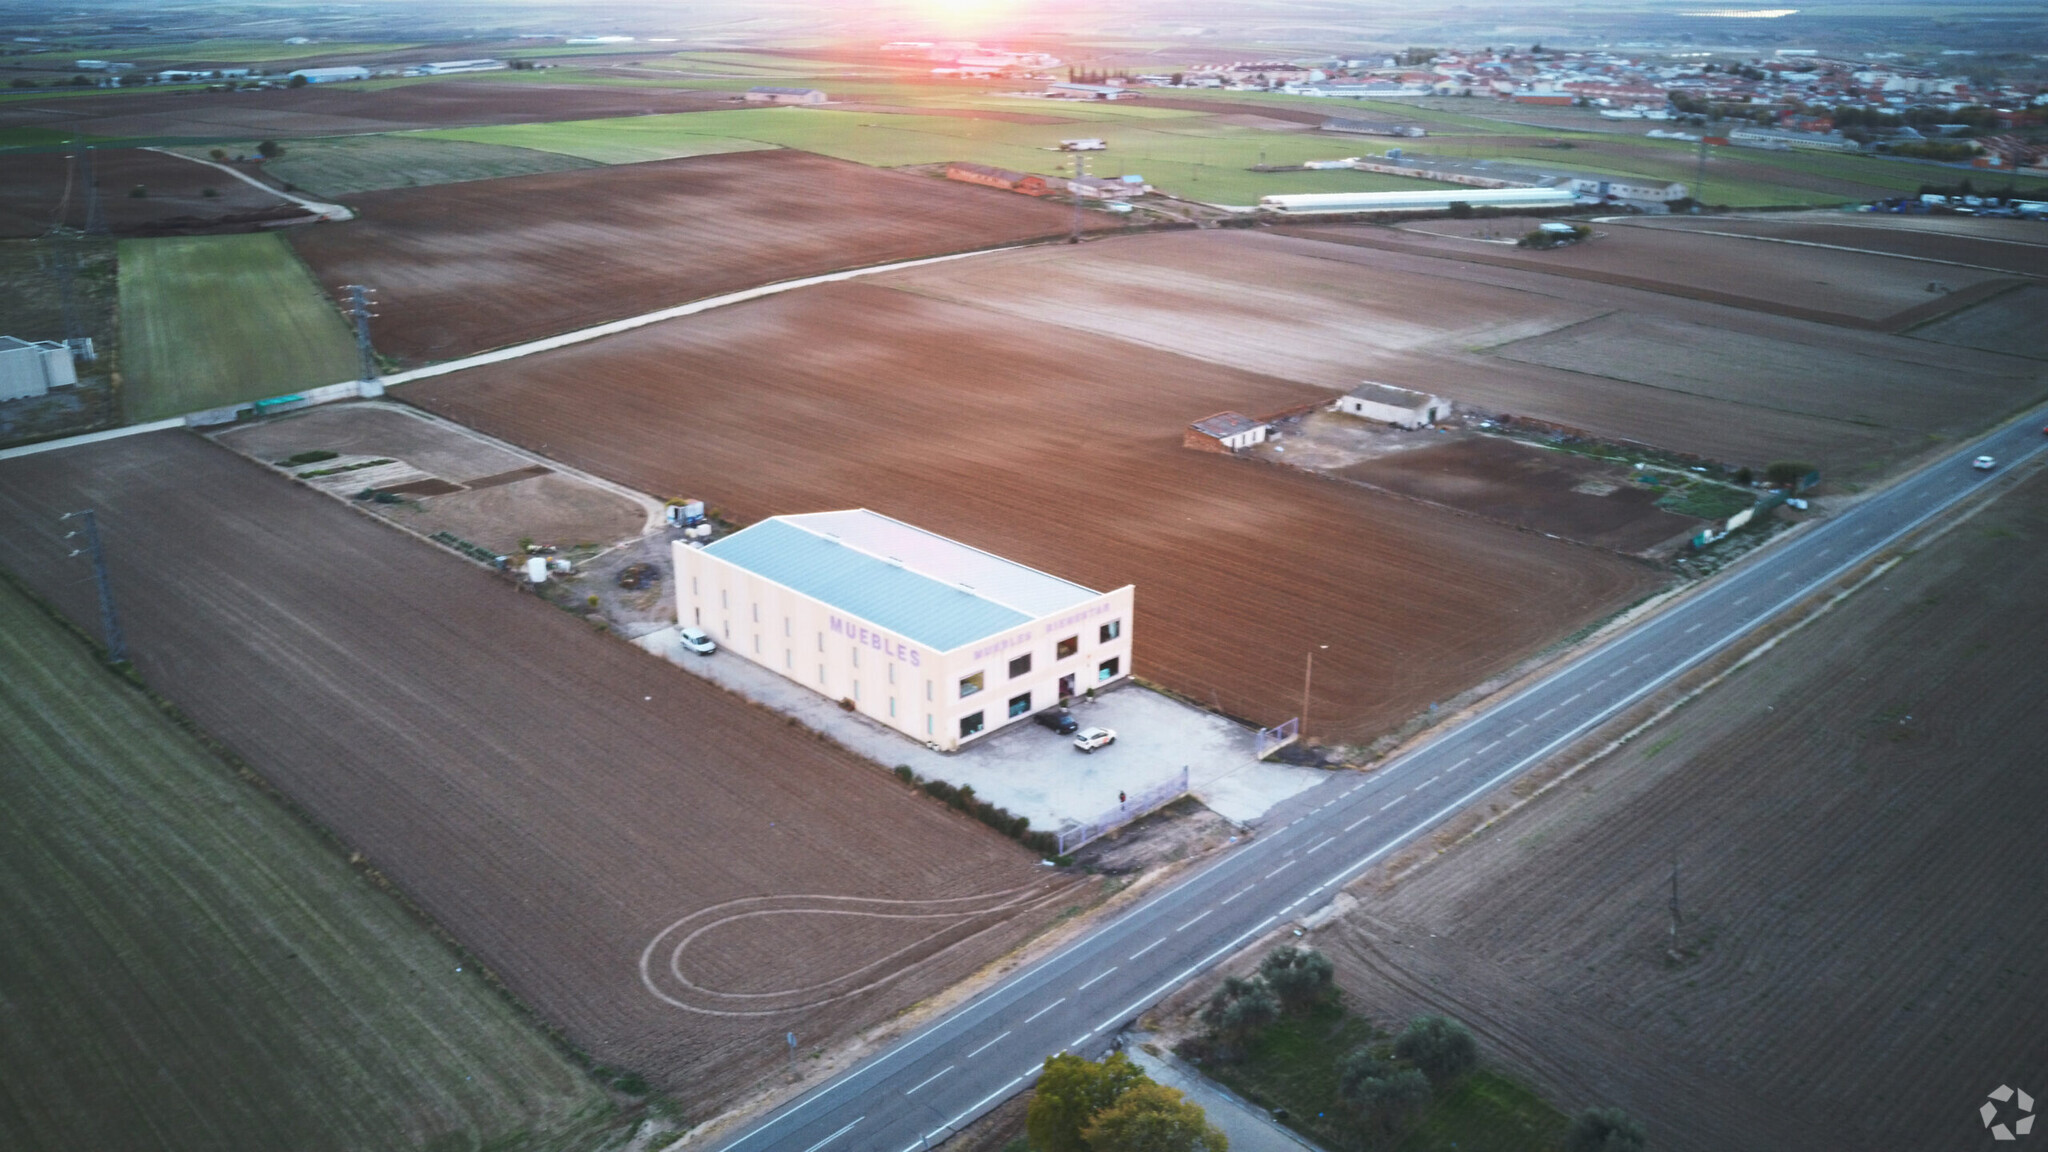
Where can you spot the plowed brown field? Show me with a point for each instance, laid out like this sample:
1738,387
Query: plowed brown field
1061,449
1857,822
1987,247
323,111
461,268
1741,386
554,798
40,188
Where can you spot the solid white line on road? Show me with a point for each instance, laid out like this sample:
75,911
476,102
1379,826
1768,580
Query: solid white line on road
836,1135
1282,868
1236,894
1696,627
1148,948
1044,1010
1192,923
984,1047
1391,803
932,1077
1356,823
995,1095
1545,712
1325,840
1180,979
1489,747
1098,976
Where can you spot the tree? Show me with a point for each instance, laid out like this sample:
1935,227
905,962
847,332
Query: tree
220,155
1786,473
1238,1011
1153,1118
1605,1130
270,149
297,81
1301,977
1071,1092
1383,1095
21,82
1441,1047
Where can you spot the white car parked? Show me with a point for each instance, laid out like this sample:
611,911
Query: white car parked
697,641
1089,739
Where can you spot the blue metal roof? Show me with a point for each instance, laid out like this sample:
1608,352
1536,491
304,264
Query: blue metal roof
937,615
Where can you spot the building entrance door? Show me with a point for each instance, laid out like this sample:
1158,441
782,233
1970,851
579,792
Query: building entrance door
1066,685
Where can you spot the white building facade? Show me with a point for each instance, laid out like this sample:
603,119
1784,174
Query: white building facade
33,367
1386,404
940,641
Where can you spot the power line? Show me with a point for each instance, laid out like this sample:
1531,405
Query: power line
110,624
359,311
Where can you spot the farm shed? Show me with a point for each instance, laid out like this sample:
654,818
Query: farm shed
1386,404
771,95
1225,432
1066,90
989,175
940,641
330,75
1419,200
33,367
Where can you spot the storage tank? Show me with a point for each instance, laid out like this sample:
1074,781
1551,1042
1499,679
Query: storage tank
537,569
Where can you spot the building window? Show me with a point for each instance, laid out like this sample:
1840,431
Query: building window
757,645
693,587
1020,665
856,689
821,641
929,687
1112,630
1107,671
892,673
724,601
789,659
855,653
1066,648
928,723
969,725
1019,705
892,707
821,673
785,627
969,685
757,613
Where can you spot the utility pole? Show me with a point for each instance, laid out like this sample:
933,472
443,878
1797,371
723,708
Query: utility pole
1699,180
1307,676
359,310
1673,950
1080,172
95,216
110,624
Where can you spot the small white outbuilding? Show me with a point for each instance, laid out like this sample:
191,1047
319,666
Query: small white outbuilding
33,367
1386,404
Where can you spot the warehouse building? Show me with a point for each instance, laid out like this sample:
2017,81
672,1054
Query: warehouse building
770,95
33,367
1386,404
940,641
1419,200
1225,432
335,75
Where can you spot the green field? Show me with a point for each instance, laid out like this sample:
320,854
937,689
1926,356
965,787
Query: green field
187,965
1179,152
214,320
339,165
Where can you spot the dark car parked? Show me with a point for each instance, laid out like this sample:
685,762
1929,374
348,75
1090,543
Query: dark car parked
1059,720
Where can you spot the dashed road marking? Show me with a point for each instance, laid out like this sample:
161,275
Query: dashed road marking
1545,712
1696,627
1391,803
1191,923
932,1077
1236,894
1097,976
1282,868
1356,823
1570,698
1493,745
984,1047
835,1135
1044,1010
1148,947
1325,840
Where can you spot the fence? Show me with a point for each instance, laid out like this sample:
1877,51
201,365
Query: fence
1152,799
1271,740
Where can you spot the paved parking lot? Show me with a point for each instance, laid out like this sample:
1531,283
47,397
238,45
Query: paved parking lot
1031,770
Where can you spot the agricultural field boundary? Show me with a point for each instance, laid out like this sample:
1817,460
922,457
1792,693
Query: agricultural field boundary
1633,222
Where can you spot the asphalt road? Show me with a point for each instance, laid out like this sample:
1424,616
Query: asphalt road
927,1087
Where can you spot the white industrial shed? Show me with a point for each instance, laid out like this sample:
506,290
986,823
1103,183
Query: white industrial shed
333,75
938,640
1419,200
1386,404
33,367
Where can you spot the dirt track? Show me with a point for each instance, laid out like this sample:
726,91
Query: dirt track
553,797
38,186
1061,449
1857,819
323,111
466,267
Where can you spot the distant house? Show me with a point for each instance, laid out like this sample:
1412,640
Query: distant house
1067,90
330,75
768,95
1386,404
33,367
1225,432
